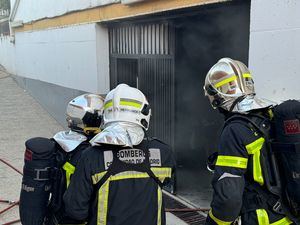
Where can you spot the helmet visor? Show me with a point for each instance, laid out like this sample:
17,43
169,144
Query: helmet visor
226,84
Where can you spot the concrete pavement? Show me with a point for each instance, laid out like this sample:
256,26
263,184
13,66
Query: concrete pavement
21,118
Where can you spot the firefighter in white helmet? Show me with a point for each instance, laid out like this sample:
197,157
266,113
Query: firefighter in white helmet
120,178
245,182
50,163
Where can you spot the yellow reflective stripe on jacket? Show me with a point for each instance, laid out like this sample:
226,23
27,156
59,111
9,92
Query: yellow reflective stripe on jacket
218,221
103,204
70,169
160,172
159,205
128,175
254,149
232,161
263,219
97,177
225,81
283,221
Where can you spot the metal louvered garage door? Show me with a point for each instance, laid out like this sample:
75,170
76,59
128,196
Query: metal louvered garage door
142,55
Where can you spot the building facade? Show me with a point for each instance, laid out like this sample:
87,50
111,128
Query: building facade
165,48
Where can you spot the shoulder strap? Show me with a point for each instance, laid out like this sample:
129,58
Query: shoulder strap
118,166
256,121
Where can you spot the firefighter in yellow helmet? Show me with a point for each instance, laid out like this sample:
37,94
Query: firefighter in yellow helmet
244,183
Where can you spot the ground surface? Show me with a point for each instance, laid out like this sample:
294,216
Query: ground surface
21,118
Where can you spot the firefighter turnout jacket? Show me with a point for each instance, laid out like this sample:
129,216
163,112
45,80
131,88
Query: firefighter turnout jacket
240,177
116,186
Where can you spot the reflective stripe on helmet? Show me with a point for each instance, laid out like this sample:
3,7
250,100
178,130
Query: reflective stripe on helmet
218,221
225,81
232,161
125,102
263,219
70,169
254,149
161,172
247,75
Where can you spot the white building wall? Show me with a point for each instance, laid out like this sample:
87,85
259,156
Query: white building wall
7,54
274,55
71,57
31,10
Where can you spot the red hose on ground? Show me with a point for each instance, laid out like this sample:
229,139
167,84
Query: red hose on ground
8,208
12,203
12,222
11,166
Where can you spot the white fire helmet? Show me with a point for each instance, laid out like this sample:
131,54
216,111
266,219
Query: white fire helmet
227,81
84,113
127,104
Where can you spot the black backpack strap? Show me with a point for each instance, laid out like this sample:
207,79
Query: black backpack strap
118,166
263,199
259,123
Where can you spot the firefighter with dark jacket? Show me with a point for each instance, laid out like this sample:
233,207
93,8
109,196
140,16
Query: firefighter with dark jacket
245,184
119,179
50,163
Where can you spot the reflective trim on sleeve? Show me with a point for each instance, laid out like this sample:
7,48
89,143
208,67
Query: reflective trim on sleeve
232,161
225,81
254,149
70,169
162,172
97,177
218,221
159,204
103,203
262,217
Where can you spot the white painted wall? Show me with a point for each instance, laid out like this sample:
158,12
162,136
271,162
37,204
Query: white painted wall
31,10
76,57
274,56
7,54
102,48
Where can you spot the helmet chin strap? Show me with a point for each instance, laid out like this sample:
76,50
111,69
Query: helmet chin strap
236,101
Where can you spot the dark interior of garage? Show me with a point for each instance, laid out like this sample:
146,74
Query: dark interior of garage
213,32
